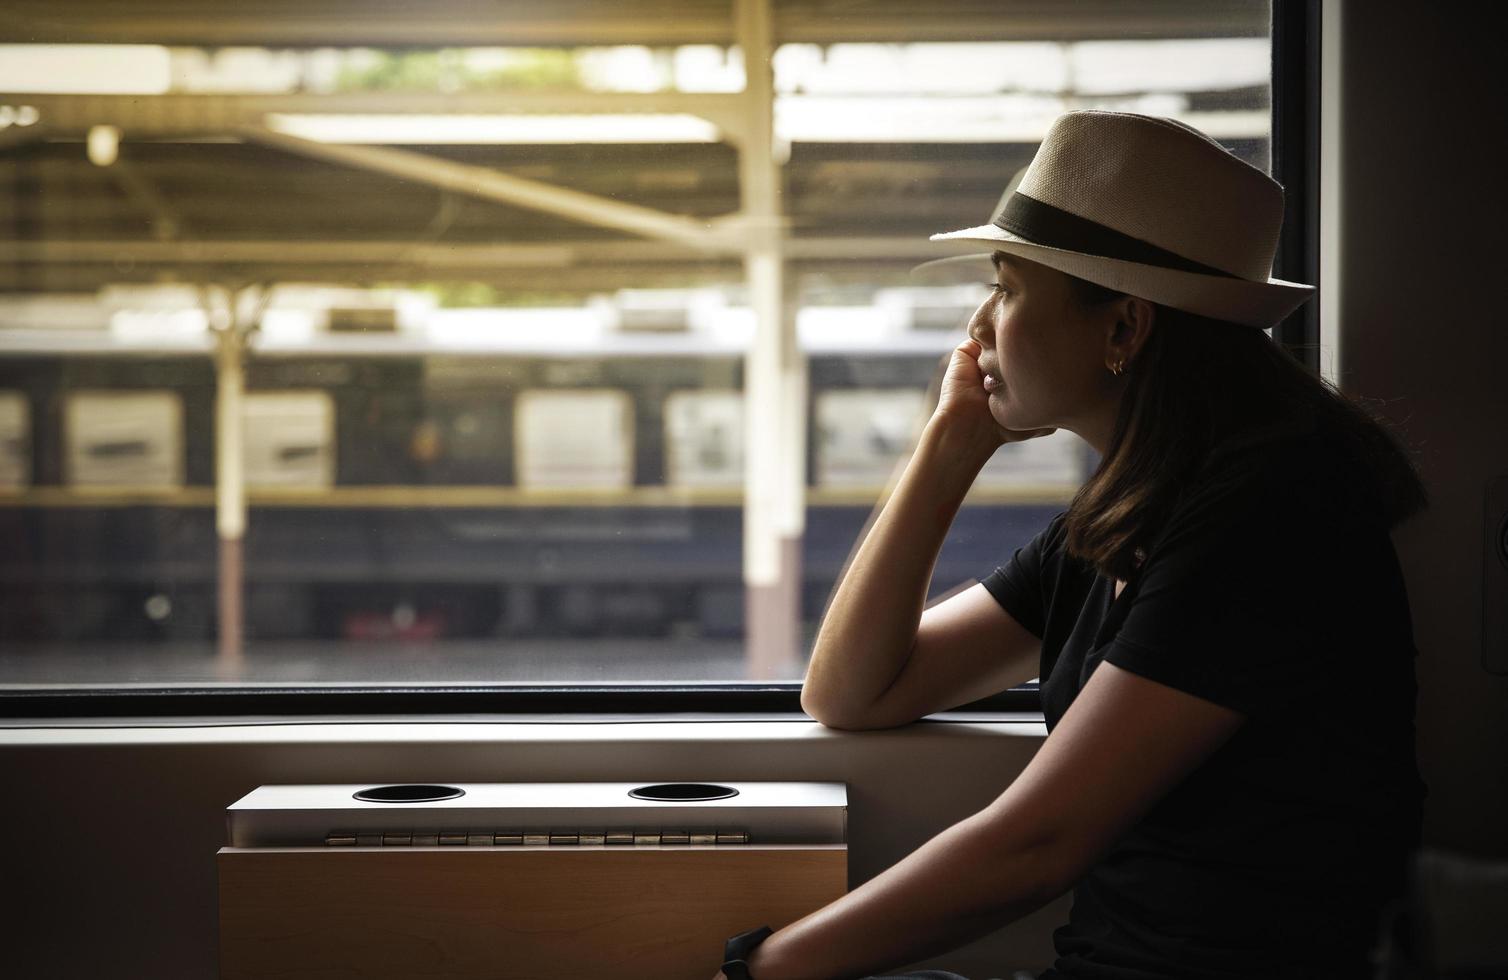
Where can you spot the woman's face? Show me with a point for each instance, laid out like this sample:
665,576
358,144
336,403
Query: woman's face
1048,351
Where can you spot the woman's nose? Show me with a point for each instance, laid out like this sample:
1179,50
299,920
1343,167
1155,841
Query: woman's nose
979,328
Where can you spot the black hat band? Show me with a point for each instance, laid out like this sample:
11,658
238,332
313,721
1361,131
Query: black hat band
1043,224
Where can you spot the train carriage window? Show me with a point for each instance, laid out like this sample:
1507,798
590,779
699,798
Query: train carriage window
15,440
575,439
1058,461
289,439
124,439
704,439
862,434
529,399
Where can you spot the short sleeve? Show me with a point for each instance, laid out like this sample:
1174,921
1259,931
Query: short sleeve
1018,584
1231,606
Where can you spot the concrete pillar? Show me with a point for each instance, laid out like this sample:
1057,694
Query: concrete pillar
231,330
774,381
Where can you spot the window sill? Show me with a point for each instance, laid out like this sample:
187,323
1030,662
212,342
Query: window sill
500,728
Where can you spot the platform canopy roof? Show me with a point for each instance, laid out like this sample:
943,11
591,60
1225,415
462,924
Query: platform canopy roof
186,180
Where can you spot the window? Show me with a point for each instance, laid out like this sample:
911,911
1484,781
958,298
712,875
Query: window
411,364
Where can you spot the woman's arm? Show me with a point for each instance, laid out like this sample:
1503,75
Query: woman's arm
869,629
1123,744
953,889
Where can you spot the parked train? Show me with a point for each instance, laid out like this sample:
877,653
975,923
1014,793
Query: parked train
419,494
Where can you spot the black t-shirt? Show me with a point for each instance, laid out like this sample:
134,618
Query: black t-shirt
1273,589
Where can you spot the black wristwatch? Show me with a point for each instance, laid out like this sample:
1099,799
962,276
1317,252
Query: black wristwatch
735,966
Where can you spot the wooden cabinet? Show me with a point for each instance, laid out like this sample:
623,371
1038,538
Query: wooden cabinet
476,908
510,913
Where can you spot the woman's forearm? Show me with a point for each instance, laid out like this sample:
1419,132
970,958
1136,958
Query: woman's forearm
968,881
868,630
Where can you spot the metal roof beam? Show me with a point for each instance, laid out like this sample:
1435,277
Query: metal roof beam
173,114
493,185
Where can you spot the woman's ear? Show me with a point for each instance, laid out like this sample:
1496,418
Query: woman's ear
1134,319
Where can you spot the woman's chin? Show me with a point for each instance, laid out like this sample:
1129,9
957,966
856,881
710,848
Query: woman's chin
1008,419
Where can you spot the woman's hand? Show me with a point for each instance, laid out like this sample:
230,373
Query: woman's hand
963,404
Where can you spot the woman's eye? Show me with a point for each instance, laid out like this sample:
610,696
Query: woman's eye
997,287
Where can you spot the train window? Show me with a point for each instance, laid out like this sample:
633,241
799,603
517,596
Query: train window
554,361
862,433
289,439
704,439
1060,460
124,439
575,439
15,440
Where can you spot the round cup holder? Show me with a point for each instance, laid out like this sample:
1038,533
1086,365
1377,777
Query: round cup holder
408,794
683,792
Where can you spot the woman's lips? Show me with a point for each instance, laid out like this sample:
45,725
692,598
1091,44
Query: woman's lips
991,382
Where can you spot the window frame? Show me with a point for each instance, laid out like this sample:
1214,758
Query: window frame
1295,146
1295,149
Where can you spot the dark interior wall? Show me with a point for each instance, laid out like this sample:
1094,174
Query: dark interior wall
1422,328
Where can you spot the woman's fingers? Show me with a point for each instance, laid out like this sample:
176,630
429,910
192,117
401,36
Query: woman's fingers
970,350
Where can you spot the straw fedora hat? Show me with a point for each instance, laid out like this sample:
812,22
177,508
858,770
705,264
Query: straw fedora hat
1146,206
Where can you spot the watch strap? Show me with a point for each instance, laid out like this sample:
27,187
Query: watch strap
736,950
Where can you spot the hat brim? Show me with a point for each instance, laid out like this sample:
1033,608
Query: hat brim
1257,304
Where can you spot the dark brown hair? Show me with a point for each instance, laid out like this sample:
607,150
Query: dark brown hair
1224,385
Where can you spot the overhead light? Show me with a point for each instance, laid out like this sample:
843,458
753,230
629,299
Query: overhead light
798,119
23,115
423,129
980,118
104,145
96,69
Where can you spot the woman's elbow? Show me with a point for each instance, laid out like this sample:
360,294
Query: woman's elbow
1038,866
